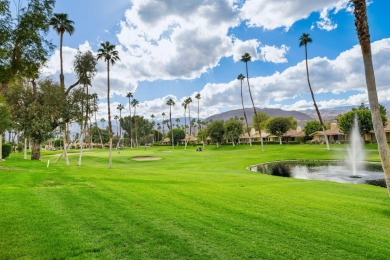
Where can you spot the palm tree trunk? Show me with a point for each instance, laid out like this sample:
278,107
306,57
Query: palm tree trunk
364,39
109,116
314,102
62,79
253,104
170,119
246,119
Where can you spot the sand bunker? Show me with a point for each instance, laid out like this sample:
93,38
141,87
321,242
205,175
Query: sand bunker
145,158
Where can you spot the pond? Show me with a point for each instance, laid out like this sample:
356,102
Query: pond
335,171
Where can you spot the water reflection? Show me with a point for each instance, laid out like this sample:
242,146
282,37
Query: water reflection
320,170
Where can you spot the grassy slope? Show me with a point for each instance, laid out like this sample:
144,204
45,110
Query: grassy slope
187,205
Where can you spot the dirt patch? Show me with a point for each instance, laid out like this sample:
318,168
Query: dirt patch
145,158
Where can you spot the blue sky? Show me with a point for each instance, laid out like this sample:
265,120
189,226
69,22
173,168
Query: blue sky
175,48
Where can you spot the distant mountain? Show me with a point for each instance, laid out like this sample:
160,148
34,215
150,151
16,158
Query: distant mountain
301,118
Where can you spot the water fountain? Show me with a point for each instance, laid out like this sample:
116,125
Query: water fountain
355,159
352,170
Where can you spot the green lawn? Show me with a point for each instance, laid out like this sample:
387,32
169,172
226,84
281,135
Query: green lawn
198,205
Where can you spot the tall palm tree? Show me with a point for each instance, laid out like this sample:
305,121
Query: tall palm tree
184,104
120,107
129,96
171,103
116,117
110,56
364,39
153,123
241,78
247,58
189,101
103,120
62,24
303,41
158,131
134,104
198,98
163,114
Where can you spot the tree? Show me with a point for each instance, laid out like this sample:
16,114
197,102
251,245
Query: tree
364,118
129,96
38,110
247,58
189,101
110,55
62,24
364,39
184,104
134,104
23,47
85,68
5,121
116,117
171,103
120,107
241,78
178,135
280,125
163,115
153,116
303,41
103,120
198,98
233,129
216,131
311,127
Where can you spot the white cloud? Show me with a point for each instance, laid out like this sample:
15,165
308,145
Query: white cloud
284,13
326,23
333,77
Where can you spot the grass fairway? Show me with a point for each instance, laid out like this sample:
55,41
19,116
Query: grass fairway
188,204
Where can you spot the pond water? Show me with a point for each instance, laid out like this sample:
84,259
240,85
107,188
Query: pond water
335,171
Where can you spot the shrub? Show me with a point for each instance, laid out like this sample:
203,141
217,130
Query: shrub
6,151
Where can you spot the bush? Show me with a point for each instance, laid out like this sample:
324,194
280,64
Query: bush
6,151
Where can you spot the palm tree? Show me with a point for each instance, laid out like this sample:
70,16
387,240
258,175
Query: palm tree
171,103
135,103
364,39
303,41
198,98
241,78
247,58
129,96
110,55
177,122
62,24
116,117
103,120
189,101
120,107
184,104
163,114
158,131
153,123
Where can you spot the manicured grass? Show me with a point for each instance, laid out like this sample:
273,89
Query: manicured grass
189,204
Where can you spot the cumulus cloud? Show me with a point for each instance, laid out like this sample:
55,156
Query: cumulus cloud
344,74
284,13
